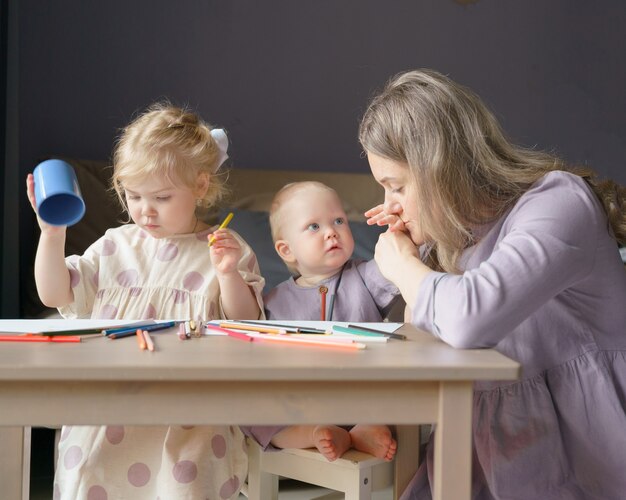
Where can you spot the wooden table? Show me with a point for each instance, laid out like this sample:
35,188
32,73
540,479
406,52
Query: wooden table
223,380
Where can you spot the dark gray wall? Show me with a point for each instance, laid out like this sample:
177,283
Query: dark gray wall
289,79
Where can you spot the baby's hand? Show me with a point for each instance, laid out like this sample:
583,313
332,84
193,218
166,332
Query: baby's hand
378,216
225,251
30,192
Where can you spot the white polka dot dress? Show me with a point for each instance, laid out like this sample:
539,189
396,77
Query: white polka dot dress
127,274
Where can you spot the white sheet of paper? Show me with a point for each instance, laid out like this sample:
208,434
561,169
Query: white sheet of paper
55,325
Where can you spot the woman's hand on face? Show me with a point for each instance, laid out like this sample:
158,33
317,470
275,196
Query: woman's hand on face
393,250
378,216
30,192
225,251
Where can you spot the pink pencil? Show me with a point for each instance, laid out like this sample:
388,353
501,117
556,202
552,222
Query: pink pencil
230,333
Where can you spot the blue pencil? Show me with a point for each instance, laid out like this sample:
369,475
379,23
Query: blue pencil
148,328
129,326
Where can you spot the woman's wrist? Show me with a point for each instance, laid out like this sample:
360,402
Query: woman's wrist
409,280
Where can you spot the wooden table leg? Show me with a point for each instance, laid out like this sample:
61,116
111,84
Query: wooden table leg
453,442
407,457
15,462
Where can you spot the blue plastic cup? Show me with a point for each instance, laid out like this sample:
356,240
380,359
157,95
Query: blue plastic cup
57,194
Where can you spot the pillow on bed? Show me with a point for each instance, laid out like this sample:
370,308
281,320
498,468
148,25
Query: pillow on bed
254,228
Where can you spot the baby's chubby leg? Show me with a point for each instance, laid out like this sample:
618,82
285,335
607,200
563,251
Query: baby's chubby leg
375,440
330,440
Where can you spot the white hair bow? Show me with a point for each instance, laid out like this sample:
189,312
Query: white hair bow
222,144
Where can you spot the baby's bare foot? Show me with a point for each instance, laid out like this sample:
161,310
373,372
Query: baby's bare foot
375,440
331,441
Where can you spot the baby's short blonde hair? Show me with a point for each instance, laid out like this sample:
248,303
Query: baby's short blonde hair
172,143
280,202
282,198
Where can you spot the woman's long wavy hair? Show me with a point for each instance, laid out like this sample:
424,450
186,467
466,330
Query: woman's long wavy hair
465,171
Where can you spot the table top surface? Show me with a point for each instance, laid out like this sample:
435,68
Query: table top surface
211,358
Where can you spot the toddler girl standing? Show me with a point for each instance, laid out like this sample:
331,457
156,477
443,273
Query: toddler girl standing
165,167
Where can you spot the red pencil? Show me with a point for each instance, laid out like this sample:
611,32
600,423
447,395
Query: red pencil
38,338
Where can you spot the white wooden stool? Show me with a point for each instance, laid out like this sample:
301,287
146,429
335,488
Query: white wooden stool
357,474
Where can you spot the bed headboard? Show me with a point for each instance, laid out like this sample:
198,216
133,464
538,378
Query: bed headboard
251,195
254,189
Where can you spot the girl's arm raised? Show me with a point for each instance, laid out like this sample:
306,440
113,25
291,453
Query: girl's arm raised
51,275
238,299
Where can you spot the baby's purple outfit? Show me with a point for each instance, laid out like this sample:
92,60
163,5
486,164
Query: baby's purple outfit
363,295
546,287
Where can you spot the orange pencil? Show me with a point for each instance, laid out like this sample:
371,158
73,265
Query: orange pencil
141,340
311,342
252,328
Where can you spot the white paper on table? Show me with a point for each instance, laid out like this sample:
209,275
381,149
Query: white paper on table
56,324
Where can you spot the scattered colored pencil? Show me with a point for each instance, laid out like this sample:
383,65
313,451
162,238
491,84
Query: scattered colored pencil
253,328
310,342
354,331
392,335
287,328
141,340
230,333
39,338
150,328
148,340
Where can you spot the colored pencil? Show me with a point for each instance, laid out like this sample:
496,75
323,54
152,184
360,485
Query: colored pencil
60,333
253,328
310,342
230,333
39,338
181,331
222,226
287,328
392,335
130,326
151,328
148,340
141,340
335,336
354,331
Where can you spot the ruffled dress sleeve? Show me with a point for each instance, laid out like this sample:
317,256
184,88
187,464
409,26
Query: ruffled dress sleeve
84,271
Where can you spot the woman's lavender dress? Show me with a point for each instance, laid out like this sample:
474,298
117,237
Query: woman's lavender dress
546,287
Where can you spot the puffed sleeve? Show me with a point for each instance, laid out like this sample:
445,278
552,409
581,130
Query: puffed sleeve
84,271
546,244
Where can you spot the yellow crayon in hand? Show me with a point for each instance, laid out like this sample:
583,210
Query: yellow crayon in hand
222,226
